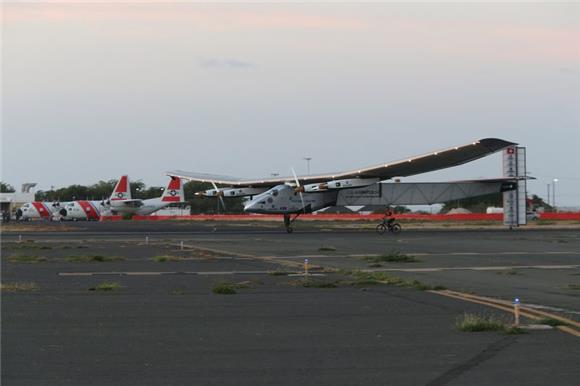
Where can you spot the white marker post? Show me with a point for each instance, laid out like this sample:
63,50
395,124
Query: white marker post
19,238
146,240
181,245
516,312
305,267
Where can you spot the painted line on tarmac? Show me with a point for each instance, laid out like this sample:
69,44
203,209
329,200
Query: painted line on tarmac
420,254
486,268
150,273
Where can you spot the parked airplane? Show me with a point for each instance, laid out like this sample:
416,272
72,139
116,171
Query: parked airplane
171,195
94,209
86,209
295,195
121,202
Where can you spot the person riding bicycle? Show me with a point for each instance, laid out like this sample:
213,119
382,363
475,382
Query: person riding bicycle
389,218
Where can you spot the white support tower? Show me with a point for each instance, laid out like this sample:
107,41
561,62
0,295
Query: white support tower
514,201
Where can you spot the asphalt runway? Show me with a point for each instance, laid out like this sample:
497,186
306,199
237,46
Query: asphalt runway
163,325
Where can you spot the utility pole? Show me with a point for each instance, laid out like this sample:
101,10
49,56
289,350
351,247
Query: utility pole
307,159
554,193
549,202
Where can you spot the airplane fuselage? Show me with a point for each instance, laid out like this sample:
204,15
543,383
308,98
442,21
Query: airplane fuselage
283,199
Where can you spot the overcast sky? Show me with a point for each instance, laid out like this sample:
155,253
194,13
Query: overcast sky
90,92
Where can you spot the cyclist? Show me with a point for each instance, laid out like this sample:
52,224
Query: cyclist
389,218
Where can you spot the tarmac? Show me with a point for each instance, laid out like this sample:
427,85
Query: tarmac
163,325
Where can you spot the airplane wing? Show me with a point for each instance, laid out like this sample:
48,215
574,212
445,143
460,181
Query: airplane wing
415,165
133,203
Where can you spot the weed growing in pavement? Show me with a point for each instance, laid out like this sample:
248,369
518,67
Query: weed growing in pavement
106,286
93,258
574,286
19,287
327,248
551,322
479,323
27,259
230,288
165,258
391,257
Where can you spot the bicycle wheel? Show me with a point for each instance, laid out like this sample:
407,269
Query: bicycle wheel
395,228
381,228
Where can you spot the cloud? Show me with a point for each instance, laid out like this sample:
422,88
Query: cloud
226,63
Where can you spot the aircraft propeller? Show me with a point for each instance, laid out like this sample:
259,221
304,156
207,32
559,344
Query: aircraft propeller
220,195
299,188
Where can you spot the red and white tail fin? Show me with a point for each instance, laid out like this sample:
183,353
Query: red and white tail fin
122,190
174,191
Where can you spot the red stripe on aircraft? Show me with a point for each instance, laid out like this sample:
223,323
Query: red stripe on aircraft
171,199
89,210
42,209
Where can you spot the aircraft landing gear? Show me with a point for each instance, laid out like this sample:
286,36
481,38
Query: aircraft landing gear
288,220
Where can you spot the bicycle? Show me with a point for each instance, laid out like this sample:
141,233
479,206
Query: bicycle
388,225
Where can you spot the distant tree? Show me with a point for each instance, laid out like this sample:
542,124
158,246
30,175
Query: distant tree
209,205
6,188
538,202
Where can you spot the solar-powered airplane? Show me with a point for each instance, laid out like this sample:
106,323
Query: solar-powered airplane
294,195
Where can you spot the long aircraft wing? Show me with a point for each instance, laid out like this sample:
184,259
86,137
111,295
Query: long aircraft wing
415,165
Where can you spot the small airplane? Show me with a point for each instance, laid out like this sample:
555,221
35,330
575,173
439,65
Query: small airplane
294,195
121,202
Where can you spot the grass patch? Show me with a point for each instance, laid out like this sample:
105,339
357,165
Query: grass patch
392,257
25,245
545,222
375,265
19,287
374,278
165,258
479,323
508,272
320,283
26,259
278,273
551,322
573,286
177,292
230,288
93,259
327,248
106,286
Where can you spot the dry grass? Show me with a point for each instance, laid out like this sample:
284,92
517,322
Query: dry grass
26,259
479,323
106,286
166,258
19,287
93,259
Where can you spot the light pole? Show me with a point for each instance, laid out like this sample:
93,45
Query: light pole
554,193
549,202
307,159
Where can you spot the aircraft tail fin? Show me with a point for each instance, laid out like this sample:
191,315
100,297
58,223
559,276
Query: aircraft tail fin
174,191
122,190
